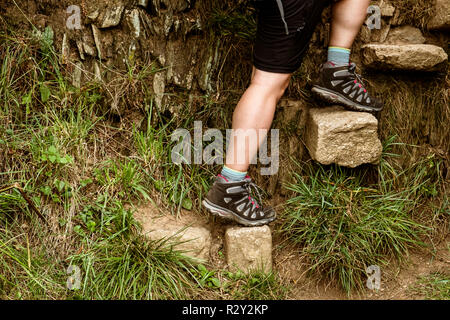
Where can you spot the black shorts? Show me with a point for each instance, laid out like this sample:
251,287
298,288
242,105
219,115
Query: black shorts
281,43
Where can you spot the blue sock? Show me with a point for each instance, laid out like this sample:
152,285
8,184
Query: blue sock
339,56
233,175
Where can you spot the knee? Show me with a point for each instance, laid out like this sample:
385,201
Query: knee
274,84
282,86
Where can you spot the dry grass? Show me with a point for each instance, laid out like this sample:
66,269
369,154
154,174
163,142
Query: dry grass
114,163
414,12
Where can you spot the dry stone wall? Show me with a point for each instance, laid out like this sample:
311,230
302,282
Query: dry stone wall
175,37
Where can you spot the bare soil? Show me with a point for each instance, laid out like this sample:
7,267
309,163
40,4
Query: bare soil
291,265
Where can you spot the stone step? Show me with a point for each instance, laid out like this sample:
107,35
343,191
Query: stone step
408,57
441,20
184,234
346,138
249,248
246,248
405,35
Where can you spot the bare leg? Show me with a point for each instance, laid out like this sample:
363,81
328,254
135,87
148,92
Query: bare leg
345,88
347,19
255,111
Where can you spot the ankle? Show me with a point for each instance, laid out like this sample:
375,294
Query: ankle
338,56
232,175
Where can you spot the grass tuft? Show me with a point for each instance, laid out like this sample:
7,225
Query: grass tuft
435,286
345,223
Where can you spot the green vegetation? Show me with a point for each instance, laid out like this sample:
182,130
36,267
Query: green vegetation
68,156
256,285
84,172
345,223
435,286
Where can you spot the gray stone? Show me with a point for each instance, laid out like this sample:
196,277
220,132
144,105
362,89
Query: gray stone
134,22
249,248
112,15
77,73
159,86
97,72
65,50
405,35
192,239
89,44
413,57
346,138
387,10
441,19
93,15
97,39
80,49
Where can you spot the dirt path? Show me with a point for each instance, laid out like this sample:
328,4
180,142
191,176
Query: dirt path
291,266
396,281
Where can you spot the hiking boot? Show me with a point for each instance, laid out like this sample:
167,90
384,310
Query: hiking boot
233,200
342,85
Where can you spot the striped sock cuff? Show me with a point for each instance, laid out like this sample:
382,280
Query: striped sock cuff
233,175
338,55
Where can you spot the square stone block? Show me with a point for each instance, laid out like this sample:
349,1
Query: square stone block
192,239
249,248
346,138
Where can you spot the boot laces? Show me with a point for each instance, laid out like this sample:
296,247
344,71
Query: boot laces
355,76
250,186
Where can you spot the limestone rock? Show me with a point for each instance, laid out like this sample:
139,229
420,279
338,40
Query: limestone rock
441,20
80,49
97,72
77,73
180,58
65,50
387,10
346,138
414,57
405,35
134,22
97,40
89,44
143,3
159,86
379,35
249,248
192,239
105,13
112,15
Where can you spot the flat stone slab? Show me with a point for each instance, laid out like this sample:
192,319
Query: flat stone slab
346,138
185,235
405,35
249,248
411,57
441,20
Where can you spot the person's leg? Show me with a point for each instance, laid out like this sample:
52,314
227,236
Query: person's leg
347,19
283,34
255,111
338,81
229,196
